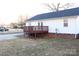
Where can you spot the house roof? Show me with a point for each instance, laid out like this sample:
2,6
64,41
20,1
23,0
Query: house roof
63,13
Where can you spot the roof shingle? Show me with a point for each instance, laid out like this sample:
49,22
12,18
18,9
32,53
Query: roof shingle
63,13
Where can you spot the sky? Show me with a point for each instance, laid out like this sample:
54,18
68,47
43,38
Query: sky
10,10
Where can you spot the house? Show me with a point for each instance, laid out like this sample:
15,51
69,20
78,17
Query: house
61,24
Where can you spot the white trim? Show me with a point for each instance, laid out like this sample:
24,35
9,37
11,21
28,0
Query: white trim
53,18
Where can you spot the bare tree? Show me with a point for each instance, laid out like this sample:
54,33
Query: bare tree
58,6
22,20
13,25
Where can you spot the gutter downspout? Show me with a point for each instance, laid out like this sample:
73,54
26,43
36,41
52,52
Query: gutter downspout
75,36
76,28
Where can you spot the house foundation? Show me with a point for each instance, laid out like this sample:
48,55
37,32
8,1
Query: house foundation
59,35
54,35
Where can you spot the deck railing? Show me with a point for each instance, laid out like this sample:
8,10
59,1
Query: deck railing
36,29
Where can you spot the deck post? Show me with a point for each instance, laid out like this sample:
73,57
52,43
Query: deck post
35,33
35,36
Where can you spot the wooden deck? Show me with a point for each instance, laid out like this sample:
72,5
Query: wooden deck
36,29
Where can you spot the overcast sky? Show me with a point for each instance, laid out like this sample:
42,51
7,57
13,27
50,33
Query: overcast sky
11,9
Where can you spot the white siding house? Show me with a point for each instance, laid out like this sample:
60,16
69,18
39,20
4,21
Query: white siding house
64,22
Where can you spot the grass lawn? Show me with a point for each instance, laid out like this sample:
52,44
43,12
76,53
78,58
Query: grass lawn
39,47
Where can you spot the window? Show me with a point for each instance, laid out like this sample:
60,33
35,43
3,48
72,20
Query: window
41,23
65,23
38,23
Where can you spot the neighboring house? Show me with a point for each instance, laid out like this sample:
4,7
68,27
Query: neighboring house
61,24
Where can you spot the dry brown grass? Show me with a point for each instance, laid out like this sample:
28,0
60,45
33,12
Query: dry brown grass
39,47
